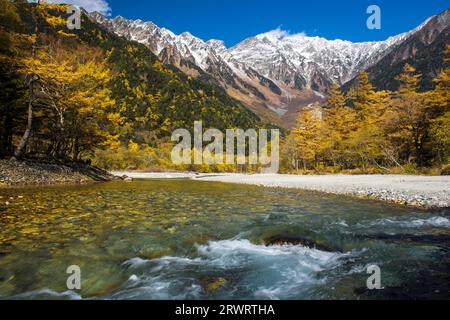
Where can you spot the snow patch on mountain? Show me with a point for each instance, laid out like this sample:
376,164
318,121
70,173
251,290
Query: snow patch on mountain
276,69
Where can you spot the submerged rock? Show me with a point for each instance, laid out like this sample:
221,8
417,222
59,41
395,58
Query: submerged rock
213,284
298,241
127,178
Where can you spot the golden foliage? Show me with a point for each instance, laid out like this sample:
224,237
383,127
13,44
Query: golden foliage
380,129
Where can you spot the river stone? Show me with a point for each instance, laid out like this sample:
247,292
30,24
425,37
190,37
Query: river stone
102,282
298,241
127,178
213,284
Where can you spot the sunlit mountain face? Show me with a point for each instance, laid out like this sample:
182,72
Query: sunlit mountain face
276,74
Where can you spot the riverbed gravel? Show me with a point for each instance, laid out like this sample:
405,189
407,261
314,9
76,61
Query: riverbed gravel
417,191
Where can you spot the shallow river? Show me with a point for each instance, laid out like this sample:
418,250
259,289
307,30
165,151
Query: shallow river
182,239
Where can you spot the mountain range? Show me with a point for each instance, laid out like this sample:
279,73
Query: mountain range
277,74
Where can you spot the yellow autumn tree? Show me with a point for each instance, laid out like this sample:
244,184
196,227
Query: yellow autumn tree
340,122
308,137
440,125
363,95
368,144
409,128
73,95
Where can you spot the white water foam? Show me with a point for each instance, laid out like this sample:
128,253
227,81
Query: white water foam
252,271
48,294
437,222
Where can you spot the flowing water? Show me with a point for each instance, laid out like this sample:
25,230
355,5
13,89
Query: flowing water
182,239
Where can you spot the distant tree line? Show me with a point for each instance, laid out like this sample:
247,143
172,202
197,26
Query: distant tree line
375,130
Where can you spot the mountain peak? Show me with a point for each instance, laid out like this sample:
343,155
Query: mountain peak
119,18
273,35
279,35
186,35
294,59
217,45
276,68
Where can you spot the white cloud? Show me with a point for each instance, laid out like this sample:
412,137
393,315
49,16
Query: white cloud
280,34
89,5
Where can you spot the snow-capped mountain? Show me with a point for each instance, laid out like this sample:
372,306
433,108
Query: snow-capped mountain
275,73
424,50
310,62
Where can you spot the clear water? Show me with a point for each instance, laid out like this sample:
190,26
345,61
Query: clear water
181,239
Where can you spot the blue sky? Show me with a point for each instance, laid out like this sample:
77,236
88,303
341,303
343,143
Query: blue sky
235,20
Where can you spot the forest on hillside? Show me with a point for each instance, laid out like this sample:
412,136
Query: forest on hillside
89,95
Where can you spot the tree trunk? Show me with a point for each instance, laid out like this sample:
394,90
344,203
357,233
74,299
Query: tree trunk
76,151
23,142
6,135
31,82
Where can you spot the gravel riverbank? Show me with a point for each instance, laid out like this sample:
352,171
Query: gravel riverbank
417,191
24,173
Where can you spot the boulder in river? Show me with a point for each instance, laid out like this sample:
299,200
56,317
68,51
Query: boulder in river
213,284
298,241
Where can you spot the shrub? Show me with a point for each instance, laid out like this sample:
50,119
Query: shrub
445,171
